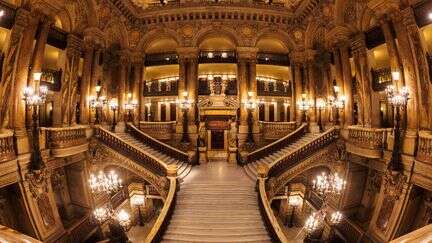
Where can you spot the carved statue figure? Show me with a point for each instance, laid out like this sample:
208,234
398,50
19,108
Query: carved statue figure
202,135
233,134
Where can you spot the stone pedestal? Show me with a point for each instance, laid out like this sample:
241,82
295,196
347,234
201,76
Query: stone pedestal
202,155
232,155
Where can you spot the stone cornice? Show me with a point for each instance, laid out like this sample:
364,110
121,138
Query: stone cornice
246,52
241,11
187,52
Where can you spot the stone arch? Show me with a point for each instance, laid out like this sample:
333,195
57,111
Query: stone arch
212,31
315,33
115,33
337,34
282,36
154,35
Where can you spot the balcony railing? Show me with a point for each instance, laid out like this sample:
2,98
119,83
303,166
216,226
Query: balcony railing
276,130
273,59
7,147
157,88
58,138
52,79
161,59
424,147
381,78
148,161
158,130
277,145
368,138
280,166
157,145
204,86
277,88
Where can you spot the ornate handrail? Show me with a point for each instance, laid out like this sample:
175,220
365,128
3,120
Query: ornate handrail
277,145
158,130
369,138
155,144
281,165
272,225
424,147
165,214
7,147
65,137
276,130
116,143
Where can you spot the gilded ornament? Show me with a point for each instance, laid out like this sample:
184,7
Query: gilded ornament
188,31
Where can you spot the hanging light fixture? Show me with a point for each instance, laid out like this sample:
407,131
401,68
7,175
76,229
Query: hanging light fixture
123,218
102,214
329,183
107,183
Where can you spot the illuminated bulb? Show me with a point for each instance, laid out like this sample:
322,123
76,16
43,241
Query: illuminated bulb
210,55
430,16
2,13
224,55
37,76
396,75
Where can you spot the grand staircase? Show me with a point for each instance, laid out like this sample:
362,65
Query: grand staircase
216,203
275,151
183,167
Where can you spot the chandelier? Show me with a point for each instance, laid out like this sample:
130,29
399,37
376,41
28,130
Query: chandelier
97,102
185,104
304,104
33,98
123,218
107,183
102,214
397,98
325,184
328,183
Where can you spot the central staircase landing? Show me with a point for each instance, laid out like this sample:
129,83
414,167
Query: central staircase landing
217,203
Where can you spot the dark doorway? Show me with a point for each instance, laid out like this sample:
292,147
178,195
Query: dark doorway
173,112
217,139
282,114
271,112
162,112
261,109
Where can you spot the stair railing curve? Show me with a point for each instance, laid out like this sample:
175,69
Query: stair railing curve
156,144
279,166
145,159
277,145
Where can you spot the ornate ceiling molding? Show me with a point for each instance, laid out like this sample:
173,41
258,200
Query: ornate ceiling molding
290,12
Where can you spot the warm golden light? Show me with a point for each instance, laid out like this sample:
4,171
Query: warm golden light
37,76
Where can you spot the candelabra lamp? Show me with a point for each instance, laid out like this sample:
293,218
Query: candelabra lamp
185,105
304,105
97,103
114,107
123,218
130,107
250,105
138,201
295,201
338,102
105,183
320,105
398,100
325,184
34,99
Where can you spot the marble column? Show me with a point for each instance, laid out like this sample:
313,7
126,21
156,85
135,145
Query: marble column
363,76
409,73
39,51
312,89
181,87
424,86
299,90
70,80
347,87
18,110
95,72
246,78
10,87
86,80
192,88
124,58
137,63
395,63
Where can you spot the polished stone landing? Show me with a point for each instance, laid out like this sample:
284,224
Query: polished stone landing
217,203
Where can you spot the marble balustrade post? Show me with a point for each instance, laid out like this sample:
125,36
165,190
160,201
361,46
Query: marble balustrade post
86,80
70,80
347,87
10,86
363,76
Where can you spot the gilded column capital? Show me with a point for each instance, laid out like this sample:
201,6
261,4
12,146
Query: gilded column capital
358,42
246,52
94,35
124,56
22,18
408,17
188,53
74,44
137,58
310,55
297,57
